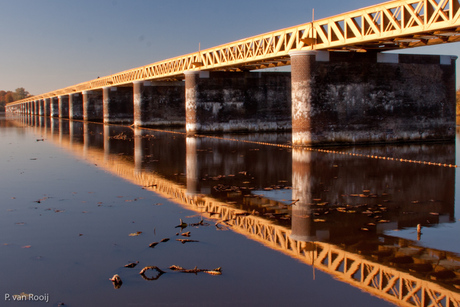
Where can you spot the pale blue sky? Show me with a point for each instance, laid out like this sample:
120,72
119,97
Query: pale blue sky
50,44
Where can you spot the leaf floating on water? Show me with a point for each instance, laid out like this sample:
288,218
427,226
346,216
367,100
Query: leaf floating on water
164,240
134,234
131,264
153,244
27,246
183,241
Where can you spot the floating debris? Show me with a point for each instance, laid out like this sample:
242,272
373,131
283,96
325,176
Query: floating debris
217,271
134,234
200,223
183,241
181,224
131,264
145,269
153,244
186,234
164,240
116,279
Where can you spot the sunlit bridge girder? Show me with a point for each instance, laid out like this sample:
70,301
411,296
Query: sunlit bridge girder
387,26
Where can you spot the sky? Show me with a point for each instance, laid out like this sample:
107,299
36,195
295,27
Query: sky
51,44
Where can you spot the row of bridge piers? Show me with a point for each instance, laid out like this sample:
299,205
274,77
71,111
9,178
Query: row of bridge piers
328,97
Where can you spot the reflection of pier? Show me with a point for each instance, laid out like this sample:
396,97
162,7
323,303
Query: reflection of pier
365,268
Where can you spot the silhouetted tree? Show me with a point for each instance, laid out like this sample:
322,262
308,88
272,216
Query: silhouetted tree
9,96
20,93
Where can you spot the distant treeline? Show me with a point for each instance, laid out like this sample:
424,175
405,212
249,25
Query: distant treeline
9,96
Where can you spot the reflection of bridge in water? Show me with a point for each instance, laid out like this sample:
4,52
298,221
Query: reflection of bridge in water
397,270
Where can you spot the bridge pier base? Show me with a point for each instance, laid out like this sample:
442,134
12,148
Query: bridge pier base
46,107
302,66
92,105
158,103
352,98
191,101
36,107
217,102
64,106
75,106
54,107
117,105
41,107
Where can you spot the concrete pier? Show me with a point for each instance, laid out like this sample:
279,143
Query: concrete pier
328,98
302,84
36,107
351,98
191,101
237,102
41,107
92,105
63,106
76,106
46,106
117,105
159,103
54,107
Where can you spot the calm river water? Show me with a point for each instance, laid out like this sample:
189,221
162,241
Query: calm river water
251,221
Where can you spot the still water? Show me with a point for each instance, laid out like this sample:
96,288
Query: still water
275,226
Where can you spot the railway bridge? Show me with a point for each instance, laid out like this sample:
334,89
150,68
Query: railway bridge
343,87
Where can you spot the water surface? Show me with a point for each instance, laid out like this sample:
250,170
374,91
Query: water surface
287,226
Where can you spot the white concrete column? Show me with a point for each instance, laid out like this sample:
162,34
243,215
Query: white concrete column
302,63
191,101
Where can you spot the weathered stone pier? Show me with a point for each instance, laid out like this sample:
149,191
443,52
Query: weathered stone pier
327,98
